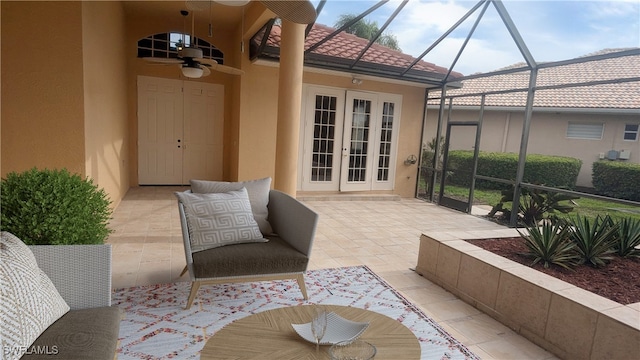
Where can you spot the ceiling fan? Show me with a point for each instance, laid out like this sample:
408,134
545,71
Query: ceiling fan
191,62
190,59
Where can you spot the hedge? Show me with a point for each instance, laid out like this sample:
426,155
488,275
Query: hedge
554,171
617,179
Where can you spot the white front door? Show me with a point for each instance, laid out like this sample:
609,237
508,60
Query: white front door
160,131
203,136
349,140
180,131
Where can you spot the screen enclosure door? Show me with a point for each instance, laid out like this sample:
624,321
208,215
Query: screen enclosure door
459,166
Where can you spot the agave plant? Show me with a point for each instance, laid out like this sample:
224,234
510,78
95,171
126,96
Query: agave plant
535,206
594,240
550,244
540,205
628,238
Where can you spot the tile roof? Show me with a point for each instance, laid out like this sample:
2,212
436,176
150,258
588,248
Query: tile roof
346,47
623,95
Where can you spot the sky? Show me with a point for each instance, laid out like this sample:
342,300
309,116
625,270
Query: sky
551,29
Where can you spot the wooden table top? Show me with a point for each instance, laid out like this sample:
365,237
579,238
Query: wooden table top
269,335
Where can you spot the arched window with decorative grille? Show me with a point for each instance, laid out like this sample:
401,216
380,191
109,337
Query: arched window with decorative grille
167,45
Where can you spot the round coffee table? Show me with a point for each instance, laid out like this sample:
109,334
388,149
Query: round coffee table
269,335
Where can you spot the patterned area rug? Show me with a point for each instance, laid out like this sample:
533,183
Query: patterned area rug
156,326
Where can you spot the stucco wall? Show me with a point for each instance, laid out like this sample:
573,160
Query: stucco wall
501,132
42,86
105,97
63,90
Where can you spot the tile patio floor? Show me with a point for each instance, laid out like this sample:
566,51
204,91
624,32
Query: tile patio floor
382,234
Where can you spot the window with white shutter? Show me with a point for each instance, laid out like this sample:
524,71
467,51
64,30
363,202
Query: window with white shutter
587,131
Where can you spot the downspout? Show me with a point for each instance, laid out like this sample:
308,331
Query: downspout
505,135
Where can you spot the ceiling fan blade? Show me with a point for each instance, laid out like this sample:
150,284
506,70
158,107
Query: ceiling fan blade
164,60
208,62
205,71
226,69
297,11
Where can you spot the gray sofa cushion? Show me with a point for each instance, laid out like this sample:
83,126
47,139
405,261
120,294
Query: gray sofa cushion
275,256
80,334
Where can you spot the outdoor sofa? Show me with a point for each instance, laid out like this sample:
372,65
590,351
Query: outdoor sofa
63,300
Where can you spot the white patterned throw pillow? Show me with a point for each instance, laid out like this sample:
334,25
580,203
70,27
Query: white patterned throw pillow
219,219
258,191
30,302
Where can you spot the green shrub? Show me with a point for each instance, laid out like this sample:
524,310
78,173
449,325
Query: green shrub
550,244
617,179
554,171
594,240
628,238
54,207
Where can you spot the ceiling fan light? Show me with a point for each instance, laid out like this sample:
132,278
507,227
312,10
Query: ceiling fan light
192,72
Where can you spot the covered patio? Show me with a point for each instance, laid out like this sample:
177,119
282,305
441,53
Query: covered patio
380,232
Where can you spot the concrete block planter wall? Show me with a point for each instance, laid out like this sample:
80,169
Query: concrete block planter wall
568,321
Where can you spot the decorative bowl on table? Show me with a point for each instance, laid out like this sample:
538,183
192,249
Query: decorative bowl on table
338,330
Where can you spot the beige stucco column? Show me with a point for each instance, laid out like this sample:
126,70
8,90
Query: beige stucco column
289,102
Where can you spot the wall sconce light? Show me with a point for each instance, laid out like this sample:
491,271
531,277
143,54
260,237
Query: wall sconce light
412,159
356,81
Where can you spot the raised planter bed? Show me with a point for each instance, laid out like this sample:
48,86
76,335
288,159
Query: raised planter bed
566,320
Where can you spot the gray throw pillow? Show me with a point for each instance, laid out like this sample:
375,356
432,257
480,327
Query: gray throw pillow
219,219
258,191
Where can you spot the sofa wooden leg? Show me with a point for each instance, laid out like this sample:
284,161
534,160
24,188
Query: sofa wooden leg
183,271
195,286
303,286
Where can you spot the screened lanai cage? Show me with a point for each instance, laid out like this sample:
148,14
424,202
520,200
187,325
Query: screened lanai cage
500,122
544,128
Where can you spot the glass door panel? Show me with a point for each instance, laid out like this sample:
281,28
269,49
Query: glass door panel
324,132
357,151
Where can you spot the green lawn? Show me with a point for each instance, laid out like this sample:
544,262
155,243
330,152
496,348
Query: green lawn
584,206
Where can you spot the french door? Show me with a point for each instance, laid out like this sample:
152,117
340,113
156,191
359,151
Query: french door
349,140
180,131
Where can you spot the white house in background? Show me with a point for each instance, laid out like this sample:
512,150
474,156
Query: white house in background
597,121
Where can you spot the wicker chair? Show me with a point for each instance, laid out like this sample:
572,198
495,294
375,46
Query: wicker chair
285,256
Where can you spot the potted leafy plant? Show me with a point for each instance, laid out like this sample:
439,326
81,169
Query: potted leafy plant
64,218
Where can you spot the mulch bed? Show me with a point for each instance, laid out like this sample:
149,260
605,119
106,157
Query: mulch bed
618,281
